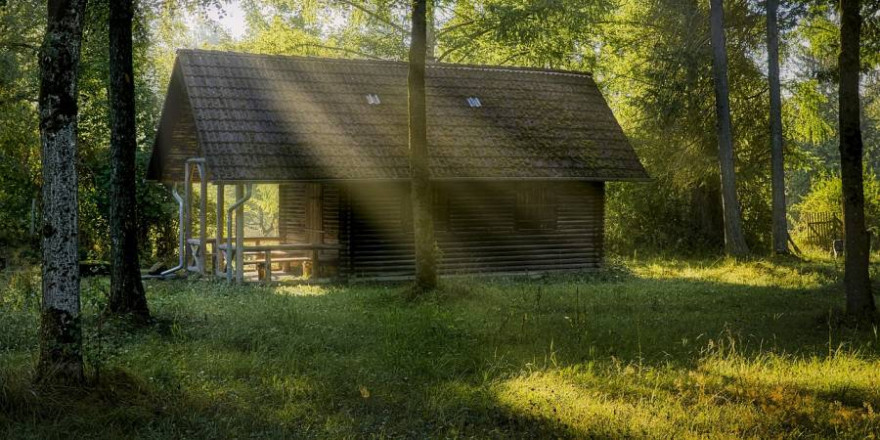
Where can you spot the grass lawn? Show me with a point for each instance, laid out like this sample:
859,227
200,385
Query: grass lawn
669,349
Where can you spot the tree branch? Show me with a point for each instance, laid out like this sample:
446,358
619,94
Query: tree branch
22,96
454,27
374,15
20,45
465,42
340,49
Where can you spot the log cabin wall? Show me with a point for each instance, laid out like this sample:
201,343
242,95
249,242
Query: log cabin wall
519,227
292,212
480,227
309,213
379,241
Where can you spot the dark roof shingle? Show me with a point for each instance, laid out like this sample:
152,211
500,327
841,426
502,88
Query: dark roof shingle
280,118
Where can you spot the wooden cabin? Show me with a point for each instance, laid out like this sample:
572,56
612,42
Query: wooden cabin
519,158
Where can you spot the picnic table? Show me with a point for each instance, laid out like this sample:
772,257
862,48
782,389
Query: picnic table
266,254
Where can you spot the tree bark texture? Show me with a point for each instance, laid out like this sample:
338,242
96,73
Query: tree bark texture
430,34
777,160
859,299
422,196
60,332
126,290
734,240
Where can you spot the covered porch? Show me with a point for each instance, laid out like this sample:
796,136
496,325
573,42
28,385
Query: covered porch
216,240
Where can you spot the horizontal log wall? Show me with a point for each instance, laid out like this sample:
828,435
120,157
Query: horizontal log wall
476,229
330,210
295,226
292,212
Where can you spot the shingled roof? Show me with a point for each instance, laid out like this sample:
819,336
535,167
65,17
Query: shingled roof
281,118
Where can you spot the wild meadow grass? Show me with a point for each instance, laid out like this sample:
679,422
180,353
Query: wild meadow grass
645,349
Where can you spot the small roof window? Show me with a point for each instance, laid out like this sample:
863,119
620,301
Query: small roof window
474,102
373,99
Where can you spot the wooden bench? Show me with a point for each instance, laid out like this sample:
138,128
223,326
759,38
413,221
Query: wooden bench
281,252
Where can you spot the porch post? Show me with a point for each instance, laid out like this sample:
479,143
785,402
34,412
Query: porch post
187,215
239,234
221,217
203,218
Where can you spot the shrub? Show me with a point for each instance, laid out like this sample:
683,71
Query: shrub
826,196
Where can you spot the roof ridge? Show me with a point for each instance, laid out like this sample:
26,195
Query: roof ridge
431,65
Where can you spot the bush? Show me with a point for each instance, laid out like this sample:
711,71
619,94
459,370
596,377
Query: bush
826,196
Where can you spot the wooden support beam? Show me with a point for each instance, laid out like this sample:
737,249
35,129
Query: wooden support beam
221,223
187,214
239,235
203,218
268,267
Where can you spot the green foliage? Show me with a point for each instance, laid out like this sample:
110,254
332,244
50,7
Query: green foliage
21,28
20,36
826,195
514,32
651,59
807,119
655,67
652,348
668,229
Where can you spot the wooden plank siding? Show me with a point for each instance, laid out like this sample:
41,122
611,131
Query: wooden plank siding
309,213
482,227
292,212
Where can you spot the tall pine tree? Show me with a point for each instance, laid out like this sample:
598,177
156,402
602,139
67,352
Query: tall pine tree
777,174
734,240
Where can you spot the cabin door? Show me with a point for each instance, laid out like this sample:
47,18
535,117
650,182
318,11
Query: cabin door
314,213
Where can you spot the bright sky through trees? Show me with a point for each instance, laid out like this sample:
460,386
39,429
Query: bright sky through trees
231,18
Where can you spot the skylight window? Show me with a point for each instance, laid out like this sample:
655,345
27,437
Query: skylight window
474,102
373,99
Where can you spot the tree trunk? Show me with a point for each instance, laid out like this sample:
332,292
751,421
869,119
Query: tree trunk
780,224
126,290
707,214
422,203
734,240
430,34
60,332
859,299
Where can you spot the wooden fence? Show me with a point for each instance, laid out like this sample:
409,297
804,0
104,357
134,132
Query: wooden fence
820,228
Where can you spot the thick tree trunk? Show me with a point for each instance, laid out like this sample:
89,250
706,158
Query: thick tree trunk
859,299
734,240
422,196
126,290
60,332
780,224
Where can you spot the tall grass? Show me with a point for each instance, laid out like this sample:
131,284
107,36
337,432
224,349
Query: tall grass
675,349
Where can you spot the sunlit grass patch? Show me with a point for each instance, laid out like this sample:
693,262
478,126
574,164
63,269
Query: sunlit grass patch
724,397
763,273
301,290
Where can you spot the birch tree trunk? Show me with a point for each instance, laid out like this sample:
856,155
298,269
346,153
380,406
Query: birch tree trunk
422,196
777,160
859,299
60,332
734,240
126,290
